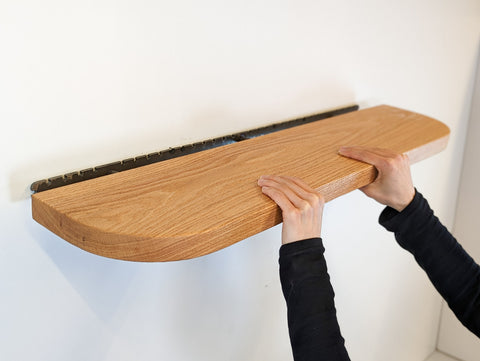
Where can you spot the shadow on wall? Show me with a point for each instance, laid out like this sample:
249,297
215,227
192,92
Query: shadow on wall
459,145
185,304
101,282
224,293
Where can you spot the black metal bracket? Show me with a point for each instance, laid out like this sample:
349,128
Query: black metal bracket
126,164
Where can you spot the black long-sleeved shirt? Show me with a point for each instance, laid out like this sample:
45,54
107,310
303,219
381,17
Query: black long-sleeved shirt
312,322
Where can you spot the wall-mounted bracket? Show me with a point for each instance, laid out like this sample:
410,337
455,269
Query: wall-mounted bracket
140,161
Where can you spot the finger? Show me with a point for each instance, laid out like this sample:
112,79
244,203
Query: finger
304,190
279,198
285,187
378,157
299,193
367,155
374,151
295,184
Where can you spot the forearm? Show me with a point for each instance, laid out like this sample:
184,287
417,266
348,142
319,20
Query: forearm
312,321
452,271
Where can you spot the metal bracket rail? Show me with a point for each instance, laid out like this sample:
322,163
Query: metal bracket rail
139,161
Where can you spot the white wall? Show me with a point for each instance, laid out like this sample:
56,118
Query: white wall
454,338
86,83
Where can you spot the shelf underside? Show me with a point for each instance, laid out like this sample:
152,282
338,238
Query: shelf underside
200,203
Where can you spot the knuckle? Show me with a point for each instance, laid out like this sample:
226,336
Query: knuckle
316,199
391,163
398,158
291,214
320,199
304,205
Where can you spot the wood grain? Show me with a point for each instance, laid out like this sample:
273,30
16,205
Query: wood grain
200,203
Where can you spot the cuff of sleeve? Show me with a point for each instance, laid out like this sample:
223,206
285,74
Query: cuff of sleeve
301,246
392,219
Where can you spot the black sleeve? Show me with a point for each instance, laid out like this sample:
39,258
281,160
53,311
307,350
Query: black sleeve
312,320
452,271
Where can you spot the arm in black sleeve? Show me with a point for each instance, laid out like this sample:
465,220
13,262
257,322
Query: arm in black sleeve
452,271
312,320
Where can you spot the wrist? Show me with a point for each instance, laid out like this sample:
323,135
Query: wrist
300,237
402,203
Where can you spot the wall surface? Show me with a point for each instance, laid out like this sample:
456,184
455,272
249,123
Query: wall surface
87,83
453,337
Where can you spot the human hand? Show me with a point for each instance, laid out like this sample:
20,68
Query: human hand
393,186
301,206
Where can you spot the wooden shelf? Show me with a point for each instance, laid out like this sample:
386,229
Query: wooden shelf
200,203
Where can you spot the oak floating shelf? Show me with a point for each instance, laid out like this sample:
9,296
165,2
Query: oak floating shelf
200,203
